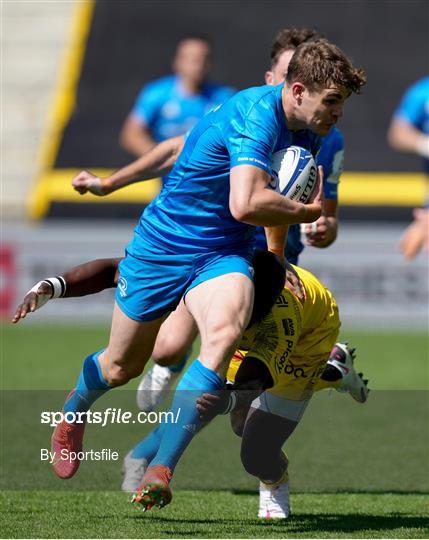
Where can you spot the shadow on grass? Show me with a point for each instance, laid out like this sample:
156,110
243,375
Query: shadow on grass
246,492
301,523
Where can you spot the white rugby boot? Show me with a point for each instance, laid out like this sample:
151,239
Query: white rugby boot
154,387
342,357
274,501
133,470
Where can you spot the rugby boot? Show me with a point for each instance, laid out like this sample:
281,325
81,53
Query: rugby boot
274,501
154,489
274,496
67,439
342,357
154,387
133,470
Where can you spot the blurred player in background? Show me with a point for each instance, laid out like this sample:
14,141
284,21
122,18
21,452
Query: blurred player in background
172,105
172,346
409,132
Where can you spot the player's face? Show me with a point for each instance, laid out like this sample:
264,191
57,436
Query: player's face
192,60
322,110
279,70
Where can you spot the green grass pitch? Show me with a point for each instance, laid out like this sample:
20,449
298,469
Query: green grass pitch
356,470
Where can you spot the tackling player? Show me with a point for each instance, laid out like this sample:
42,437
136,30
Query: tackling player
301,337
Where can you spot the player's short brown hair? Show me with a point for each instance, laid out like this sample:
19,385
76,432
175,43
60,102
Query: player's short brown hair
289,39
321,64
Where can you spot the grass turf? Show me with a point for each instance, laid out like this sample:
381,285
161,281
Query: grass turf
216,514
373,461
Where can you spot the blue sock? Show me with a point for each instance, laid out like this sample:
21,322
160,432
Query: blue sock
90,386
148,447
196,381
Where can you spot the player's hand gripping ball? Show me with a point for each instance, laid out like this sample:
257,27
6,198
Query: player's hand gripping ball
294,172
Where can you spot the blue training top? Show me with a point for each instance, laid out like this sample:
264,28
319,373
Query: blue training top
331,157
192,212
414,109
168,111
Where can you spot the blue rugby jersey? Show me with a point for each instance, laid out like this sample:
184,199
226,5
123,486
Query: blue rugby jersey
168,111
192,212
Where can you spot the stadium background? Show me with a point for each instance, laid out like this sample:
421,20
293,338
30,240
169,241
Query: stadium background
71,71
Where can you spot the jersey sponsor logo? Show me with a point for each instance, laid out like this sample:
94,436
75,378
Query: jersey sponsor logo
281,301
280,362
122,286
253,160
288,327
297,372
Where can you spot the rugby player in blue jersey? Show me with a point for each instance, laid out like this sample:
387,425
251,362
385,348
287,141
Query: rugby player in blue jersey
178,333
172,105
196,240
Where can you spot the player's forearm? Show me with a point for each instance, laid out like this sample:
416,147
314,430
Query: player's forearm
276,240
91,277
252,202
157,162
252,378
269,209
88,278
404,137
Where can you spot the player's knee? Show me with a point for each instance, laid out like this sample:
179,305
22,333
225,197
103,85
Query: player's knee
166,352
252,462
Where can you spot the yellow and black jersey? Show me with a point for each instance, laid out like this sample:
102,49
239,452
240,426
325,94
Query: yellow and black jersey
294,340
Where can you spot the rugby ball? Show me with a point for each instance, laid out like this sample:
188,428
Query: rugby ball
294,171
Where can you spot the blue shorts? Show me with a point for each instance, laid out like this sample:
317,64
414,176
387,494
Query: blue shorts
151,286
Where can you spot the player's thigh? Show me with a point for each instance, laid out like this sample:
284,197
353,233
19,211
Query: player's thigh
221,308
131,342
175,337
